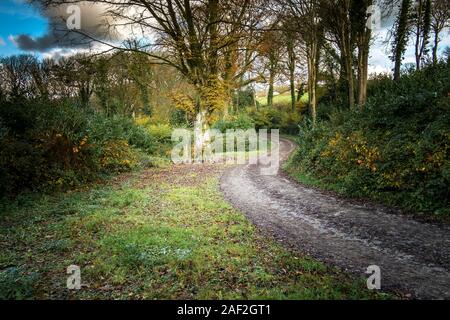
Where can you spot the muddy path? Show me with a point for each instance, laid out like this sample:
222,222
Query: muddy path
414,257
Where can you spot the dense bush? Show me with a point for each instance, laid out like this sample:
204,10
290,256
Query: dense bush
396,150
161,134
240,121
102,128
45,145
277,117
243,98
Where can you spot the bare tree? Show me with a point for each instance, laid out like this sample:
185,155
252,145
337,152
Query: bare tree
422,27
307,24
16,77
271,51
290,39
440,19
362,34
190,35
337,18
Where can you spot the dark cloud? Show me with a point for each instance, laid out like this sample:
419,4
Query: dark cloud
95,24
41,44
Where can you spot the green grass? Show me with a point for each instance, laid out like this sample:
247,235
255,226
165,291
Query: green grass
164,234
282,99
308,179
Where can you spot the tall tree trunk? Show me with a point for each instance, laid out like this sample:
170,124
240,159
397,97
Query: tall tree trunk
363,42
273,69
423,27
145,100
270,91
201,127
435,47
440,19
346,48
228,81
291,64
401,37
213,11
292,85
418,26
300,91
362,79
312,79
348,65
313,56
200,135
255,102
229,106
417,53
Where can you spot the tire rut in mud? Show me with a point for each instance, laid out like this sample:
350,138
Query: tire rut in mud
414,256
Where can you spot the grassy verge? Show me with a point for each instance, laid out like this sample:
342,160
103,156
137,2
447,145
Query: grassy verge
310,180
163,233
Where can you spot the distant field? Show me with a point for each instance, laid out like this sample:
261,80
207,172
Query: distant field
284,98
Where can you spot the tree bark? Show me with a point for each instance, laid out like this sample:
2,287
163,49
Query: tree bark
401,37
348,66
291,64
423,27
201,135
272,72
363,35
362,77
344,35
312,79
435,48
270,93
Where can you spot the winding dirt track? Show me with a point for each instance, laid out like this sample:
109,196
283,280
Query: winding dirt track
414,257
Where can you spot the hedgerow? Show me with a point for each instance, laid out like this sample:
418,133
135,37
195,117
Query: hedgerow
396,149
55,145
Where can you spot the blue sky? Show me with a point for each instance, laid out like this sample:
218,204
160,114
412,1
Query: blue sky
17,17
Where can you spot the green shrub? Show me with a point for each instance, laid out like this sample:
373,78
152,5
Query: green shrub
55,145
162,134
396,150
118,156
244,97
179,118
260,118
281,118
101,128
240,121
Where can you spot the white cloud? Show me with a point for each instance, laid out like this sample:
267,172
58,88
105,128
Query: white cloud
102,22
58,53
379,61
